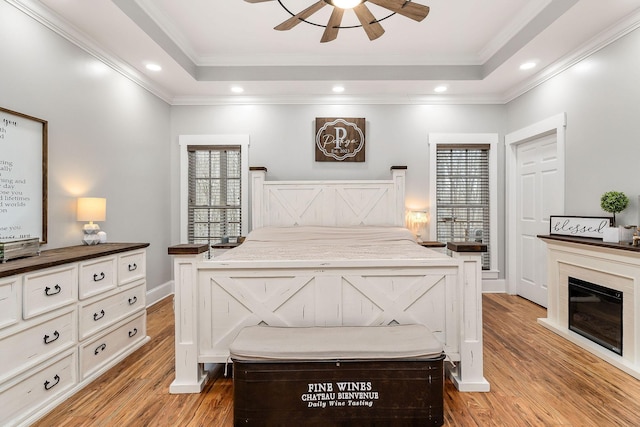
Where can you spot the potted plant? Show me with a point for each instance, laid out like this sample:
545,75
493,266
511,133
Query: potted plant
614,202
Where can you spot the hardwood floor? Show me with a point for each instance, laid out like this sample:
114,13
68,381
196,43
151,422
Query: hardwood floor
536,377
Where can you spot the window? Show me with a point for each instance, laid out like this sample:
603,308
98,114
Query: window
214,209
463,201
214,182
462,194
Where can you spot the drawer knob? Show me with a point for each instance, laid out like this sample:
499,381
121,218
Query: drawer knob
101,347
98,277
49,385
56,290
98,316
56,335
133,267
133,333
133,300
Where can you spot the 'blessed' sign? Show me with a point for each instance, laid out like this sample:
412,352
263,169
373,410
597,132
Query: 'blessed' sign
579,226
340,139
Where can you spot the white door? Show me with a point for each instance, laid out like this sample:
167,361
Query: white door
537,197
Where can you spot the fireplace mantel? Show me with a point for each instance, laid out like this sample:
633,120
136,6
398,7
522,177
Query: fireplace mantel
592,242
616,266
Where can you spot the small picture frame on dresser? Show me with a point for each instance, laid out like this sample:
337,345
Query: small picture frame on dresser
579,226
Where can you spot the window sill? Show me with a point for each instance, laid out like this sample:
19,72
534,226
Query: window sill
490,274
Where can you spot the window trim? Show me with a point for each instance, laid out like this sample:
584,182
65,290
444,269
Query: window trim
490,139
212,140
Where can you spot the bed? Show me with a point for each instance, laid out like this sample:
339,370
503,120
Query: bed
326,253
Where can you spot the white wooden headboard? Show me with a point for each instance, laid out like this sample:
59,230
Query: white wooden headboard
329,203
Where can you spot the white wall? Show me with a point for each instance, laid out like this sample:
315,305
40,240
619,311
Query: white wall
282,139
601,97
108,137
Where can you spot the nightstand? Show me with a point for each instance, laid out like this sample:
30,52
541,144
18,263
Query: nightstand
220,248
432,244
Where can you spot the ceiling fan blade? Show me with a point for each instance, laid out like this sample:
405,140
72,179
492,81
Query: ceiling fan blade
412,10
331,32
368,21
296,19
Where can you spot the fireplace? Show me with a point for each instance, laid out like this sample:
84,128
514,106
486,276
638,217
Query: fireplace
613,266
595,312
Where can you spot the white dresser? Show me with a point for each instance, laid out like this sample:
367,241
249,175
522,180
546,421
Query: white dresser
67,316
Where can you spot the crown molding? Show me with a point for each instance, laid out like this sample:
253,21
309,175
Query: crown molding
600,41
150,8
406,99
65,29
523,19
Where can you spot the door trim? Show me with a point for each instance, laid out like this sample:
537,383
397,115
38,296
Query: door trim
555,124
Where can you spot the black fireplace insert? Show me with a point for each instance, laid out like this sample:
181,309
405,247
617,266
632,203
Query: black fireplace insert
595,312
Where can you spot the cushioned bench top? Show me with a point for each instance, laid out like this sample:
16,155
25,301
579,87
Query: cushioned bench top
335,343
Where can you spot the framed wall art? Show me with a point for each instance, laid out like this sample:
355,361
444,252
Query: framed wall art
340,139
23,177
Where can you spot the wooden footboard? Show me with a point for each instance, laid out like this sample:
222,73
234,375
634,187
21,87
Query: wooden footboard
231,299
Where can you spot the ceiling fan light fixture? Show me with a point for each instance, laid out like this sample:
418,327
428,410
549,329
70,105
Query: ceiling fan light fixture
368,22
345,4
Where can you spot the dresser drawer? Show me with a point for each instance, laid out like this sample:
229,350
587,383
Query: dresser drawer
104,312
38,342
10,301
46,290
132,266
97,276
28,393
98,352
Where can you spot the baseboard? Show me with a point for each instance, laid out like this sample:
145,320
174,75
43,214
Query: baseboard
497,286
159,292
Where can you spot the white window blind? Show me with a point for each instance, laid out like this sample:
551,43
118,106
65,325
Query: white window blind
462,194
214,201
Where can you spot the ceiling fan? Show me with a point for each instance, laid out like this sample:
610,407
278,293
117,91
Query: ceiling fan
368,21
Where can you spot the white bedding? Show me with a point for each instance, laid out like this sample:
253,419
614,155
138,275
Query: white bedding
329,243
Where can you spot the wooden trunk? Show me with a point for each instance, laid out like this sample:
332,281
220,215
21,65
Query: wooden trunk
335,393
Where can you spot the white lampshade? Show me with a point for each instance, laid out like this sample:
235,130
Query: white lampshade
92,209
416,221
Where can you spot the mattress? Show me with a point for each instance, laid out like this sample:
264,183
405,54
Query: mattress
335,343
330,244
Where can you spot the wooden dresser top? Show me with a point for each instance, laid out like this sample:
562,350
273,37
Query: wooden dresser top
59,256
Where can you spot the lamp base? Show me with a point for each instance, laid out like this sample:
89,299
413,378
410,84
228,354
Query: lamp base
90,239
91,234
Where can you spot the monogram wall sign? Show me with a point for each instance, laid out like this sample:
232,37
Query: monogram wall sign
340,139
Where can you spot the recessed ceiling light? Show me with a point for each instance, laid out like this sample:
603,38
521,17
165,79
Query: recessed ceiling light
440,89
338,89
237,89
153,67
528,65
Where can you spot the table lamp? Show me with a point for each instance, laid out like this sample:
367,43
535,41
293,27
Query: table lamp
416,220
91,209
